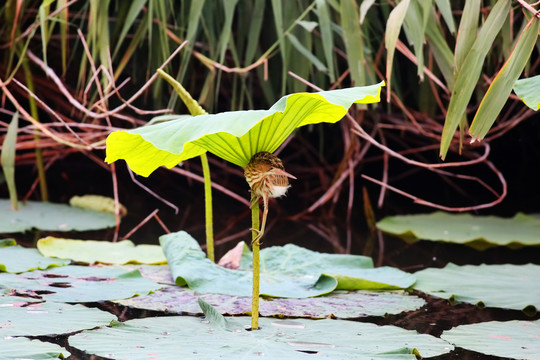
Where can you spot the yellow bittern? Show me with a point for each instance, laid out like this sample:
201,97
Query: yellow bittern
266,177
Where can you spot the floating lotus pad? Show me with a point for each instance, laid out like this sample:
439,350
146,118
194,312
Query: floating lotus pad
17,259
176,337
50,319
17,348
480,232
288,271
78,284
94,251
341,304
235,135
51,217
503,286
509,339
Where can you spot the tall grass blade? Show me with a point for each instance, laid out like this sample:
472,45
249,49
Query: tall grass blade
468,28
133,12
446,12
443,55
257,16
307,53
467,76
414,29
354,43
364,8
8,159
502,85
393,28
63,16
326,35
43,14
280,31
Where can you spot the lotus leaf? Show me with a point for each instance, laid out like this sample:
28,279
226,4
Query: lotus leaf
174,337
235,135
510,339
289,271
17,348
51,217
95,251
480,232
341,304
74,284
505,286
17,259
50,319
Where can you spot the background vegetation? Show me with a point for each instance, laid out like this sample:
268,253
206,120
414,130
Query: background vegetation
75,70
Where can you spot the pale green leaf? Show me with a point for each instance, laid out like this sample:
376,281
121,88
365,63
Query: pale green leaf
77,284
288,271
51,217
393,28
506,339
443,55
503,286
17,259
97,203
176,337
254,31
7,158
502,85
354,43
528,90
467,32
323,15
134,11
446,12
467,76
234,136
364,8
307,53
16,348
341,304
308,25
480,232
99,251
50,319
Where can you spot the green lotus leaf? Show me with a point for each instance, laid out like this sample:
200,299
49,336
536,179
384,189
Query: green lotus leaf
234,136
528,90
51,217
79,284
503,286
50,319
286,271
17,259
17,348
96,251
479,232
506,339
186,337
340,304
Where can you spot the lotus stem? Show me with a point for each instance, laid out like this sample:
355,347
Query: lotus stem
208,208
256,268
195,109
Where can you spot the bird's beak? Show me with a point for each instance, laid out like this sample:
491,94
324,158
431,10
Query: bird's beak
282,172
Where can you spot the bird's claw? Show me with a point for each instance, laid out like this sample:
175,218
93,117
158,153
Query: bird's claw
257,237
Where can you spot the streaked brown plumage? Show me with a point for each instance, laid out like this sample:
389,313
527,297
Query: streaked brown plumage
266,177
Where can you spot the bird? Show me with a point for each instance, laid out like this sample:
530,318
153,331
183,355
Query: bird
266,177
